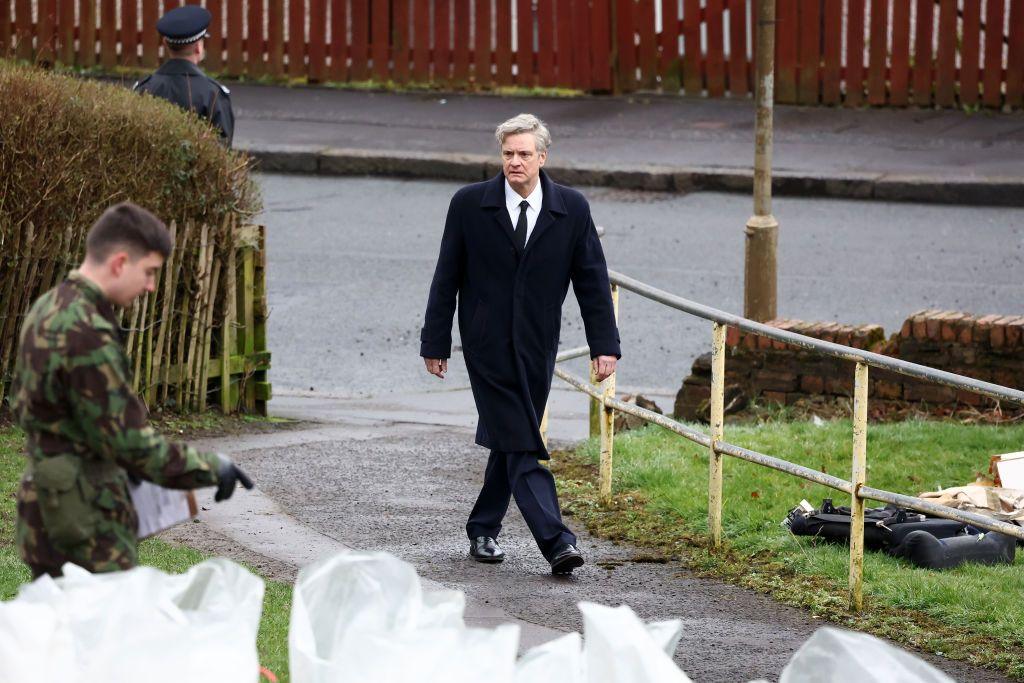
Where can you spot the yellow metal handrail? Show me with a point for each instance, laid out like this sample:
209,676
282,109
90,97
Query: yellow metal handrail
606,404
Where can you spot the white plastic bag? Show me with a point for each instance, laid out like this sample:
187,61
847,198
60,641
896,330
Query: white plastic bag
834,655
360,617
135,625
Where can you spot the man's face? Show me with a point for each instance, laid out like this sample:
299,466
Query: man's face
129,278
521,161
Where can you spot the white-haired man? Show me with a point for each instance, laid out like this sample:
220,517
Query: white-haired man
511,246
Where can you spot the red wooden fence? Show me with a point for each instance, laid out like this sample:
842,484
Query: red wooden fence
943,53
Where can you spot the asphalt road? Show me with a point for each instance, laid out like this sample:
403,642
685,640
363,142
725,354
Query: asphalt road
350,261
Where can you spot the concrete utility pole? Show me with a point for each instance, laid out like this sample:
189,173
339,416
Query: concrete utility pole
760,285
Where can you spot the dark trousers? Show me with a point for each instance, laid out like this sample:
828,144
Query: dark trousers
520,474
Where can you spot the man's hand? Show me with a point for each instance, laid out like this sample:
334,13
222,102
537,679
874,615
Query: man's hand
229,475
436,366
603,367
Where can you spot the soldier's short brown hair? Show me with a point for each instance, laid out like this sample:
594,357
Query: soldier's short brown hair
129,227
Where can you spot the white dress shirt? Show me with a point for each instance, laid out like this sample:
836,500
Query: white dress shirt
512,201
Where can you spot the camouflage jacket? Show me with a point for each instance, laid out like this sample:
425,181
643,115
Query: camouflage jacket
85,431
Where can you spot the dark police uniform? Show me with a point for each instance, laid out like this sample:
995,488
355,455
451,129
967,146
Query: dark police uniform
182,82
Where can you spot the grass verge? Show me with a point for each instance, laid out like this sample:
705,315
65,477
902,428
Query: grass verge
660,505
272,641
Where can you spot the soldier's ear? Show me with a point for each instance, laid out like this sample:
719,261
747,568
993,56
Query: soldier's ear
116,262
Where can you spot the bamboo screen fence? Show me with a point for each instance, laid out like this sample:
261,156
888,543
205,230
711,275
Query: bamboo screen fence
210,297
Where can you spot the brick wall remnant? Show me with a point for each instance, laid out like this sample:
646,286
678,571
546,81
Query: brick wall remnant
986,347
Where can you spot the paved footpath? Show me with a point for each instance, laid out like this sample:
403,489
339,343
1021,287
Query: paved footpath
642,142
399,474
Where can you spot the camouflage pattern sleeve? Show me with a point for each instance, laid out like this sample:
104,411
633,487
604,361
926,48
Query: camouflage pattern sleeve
112,419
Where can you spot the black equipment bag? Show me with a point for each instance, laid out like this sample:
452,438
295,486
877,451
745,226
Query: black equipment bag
885,528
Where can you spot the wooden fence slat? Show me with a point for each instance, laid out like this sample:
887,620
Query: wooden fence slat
581,44
296,48
6,34
945,72
86,32
601,45
647,50
400,40
855,53
47,27
992,73
832,59
460,38
442,37
254,61
215,43
503,42
129,34
809,51
1015,58
275,37
339,42
922,94
563,31
546,43
970,53
715,30
786,34
360,40
693,53
316,71
739,85
421,41
108,34
380,39
878,51
669,62
150,37
524,43
482,43
899,71
233,34
23,29
66,31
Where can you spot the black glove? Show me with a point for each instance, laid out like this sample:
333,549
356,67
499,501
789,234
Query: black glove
229,475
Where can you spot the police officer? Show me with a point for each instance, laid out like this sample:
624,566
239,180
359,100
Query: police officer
85,428
180,80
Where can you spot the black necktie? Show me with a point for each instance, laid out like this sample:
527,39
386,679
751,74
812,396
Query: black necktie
520,233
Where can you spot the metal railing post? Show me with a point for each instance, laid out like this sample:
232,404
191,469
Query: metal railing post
595,408
860,443
717,427
544,426
608,423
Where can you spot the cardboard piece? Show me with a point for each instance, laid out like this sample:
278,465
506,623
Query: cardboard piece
1010,470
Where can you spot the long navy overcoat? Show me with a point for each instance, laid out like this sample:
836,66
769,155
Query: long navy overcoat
510,304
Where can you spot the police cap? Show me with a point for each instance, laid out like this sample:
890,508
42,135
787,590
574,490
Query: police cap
184,25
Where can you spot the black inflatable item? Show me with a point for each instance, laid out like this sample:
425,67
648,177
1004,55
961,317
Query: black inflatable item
925,550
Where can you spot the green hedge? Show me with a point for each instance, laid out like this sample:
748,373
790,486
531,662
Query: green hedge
69,148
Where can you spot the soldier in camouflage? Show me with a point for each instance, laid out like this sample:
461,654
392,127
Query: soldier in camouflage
85,428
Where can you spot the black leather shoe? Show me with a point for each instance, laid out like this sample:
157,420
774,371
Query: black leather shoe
485,549
565,559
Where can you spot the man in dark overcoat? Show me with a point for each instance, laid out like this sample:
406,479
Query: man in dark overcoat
180,80
511,246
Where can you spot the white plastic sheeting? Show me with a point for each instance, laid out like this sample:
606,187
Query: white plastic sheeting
365,617
138,625
834,655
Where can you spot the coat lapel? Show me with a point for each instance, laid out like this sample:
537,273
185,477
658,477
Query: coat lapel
551,209
494,199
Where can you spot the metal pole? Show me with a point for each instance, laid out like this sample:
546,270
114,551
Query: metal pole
760,289
860,447
608,423
717,420
544,427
